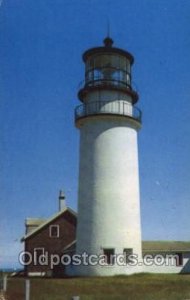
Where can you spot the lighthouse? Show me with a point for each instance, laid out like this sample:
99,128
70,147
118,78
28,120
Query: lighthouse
108,189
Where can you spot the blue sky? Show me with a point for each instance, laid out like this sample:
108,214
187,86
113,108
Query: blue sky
40,71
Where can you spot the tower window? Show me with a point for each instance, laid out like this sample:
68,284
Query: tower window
109,256
179,259
54,231
127,255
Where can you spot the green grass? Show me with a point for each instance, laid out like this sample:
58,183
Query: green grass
135,287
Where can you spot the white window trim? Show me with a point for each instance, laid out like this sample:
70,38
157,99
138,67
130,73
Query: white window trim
35,257
40,248
41,274
50,233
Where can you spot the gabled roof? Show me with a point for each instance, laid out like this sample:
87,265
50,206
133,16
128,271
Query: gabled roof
152,246
55,216
170,246
70,246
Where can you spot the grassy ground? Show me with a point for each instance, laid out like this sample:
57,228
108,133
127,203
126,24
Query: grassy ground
136,287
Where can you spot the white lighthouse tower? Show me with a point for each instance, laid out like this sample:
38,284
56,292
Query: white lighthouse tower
108,196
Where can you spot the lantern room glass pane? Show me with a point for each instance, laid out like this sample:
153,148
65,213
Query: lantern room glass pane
122,63
113,69
98,74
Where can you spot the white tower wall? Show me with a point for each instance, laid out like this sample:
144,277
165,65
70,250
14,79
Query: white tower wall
109,212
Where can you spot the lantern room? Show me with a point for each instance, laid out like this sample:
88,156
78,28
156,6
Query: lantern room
108,67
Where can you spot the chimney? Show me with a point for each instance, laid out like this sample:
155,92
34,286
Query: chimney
62,204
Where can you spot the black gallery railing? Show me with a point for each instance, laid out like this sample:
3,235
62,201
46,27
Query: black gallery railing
103,107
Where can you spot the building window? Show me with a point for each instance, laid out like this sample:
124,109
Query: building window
109,255
127,252
39,256
54,231
179,259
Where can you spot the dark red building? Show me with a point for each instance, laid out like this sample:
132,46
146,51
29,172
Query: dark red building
45,241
